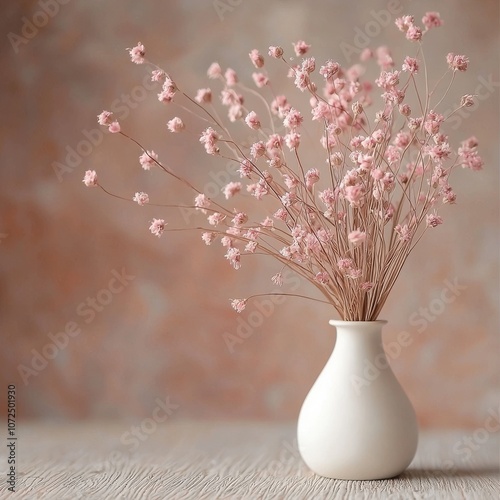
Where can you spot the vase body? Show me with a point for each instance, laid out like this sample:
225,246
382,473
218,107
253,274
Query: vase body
357,422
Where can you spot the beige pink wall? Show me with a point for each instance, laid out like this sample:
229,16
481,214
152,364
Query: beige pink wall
164,333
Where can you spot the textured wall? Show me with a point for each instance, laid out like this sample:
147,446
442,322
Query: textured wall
162,332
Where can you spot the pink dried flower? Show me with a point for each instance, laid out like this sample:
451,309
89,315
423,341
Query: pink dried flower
276,52
214,71
233,255
137,53
157,227
414,33
356,237
141,198
467,101
410,64
233,231
246,169
260,79
90,178
404,22
267,222
345,264
402,139
251,246
274,143
203,96
388,79
470,157
208,237
355,195
438,152
209,139
258,149
405,109
229,97
302,80
280,106
328,197
384,58
277,279
457,62
329,70
202,202
293,119
148,159
354,273
231,77
175,125
337,159
215,219
449,197
366,286
470,143
166,95
239,219
114,127
256,58
322,278
291,182
281,214
252,120
392,154
432,20
238,304
231,189
404,232
357,108
308,65
311,177
292,140
252,233
227,242
433,220
158,75
414,123
288,199
300,48
366,54
104,117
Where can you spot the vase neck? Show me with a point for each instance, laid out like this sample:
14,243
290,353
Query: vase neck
363,336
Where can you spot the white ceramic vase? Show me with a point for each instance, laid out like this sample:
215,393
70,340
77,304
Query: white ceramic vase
357,422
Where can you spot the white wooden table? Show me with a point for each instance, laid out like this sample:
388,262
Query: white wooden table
233,460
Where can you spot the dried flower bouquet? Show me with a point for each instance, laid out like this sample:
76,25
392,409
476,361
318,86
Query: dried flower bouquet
347,225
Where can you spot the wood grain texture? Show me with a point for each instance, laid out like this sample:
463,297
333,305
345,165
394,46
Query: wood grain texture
237,460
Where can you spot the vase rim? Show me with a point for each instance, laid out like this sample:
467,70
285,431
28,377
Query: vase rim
339,322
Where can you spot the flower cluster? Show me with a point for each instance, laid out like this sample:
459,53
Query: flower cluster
346,226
